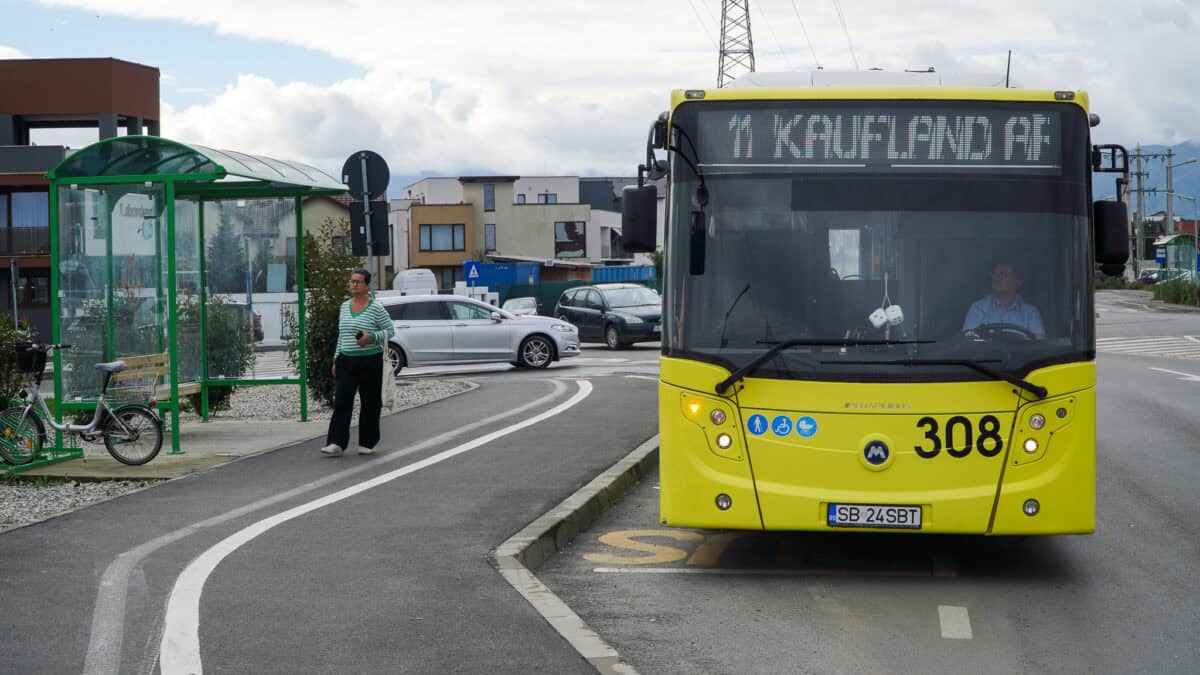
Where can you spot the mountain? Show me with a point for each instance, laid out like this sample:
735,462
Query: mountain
1186,180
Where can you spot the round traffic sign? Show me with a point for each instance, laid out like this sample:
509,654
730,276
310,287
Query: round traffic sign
376,175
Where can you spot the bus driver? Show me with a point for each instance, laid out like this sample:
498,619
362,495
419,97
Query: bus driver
1004,306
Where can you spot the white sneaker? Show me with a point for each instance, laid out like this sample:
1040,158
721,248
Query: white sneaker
333,450
365,451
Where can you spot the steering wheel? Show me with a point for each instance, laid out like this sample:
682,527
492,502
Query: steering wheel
992,331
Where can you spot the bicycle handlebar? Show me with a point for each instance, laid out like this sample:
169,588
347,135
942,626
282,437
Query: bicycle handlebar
35,347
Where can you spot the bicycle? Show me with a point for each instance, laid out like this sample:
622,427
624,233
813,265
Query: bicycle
132,432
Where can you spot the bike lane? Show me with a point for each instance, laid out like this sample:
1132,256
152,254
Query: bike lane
61,576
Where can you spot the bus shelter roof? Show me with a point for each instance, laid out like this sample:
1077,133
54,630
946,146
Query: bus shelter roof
197,170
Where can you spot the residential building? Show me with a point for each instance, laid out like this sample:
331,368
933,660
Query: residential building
41,97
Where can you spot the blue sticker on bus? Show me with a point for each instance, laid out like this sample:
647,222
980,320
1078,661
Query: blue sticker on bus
806,426
757,425
781,425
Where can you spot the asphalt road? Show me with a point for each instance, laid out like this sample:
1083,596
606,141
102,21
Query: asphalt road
293,562
1122,600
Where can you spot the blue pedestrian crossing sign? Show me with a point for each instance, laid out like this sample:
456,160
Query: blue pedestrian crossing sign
757,425
472,269
781,425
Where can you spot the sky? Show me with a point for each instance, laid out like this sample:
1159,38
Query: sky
528,87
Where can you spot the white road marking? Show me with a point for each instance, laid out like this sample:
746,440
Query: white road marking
956,624
108,612
1186,377
641,377
180,647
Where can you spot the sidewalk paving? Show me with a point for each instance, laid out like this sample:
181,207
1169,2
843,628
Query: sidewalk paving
205,444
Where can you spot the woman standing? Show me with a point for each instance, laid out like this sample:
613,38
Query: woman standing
363,331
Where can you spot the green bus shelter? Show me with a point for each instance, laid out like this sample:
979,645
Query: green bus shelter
159,252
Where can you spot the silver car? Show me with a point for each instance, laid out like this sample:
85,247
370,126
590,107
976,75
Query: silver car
449,329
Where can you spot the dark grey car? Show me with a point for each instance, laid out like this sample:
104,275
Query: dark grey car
617,314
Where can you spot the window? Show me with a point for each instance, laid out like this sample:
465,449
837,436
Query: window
591,300
521,199
419,311
489,196
447,276
489,236
33,290
569,240
548,198
461,311
443,237
341,245
291,247
31,209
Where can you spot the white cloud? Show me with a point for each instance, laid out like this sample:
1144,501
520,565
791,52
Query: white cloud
7,52
570,87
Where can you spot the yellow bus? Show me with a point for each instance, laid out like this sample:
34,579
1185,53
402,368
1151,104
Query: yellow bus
877,306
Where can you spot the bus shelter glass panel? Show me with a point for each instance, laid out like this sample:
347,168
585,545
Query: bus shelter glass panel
112,294
186,259
250,253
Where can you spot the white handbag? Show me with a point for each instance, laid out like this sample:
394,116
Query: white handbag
389,393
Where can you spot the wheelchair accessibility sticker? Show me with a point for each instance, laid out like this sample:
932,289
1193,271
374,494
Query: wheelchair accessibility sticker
782,425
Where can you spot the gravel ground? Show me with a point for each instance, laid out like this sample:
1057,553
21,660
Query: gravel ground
28,501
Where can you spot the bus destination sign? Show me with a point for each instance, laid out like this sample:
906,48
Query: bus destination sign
897,138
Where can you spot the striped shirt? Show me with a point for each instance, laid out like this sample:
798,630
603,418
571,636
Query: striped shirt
372,319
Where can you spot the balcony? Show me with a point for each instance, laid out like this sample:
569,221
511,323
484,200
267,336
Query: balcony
30,159
25,241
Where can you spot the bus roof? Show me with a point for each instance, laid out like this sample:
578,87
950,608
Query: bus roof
780,89
871,78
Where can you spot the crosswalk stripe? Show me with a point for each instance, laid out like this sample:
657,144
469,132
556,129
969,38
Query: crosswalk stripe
1183,346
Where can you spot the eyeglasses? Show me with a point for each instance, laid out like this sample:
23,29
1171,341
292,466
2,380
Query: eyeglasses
356,282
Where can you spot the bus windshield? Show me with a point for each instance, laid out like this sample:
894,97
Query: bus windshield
943,258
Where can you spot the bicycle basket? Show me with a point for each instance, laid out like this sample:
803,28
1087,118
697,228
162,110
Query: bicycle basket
133,390
30,360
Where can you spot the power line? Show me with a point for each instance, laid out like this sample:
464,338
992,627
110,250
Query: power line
842,18
778,44
805,31
703,25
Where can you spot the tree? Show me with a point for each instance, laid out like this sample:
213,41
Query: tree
226,261
325,273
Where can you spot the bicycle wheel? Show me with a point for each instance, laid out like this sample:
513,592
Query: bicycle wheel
20,440
133,435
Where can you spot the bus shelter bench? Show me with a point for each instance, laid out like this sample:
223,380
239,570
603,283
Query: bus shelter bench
141,379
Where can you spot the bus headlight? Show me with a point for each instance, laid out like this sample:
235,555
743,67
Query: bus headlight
724,441
724,501
1037,421
1031,507
1031,445
717,416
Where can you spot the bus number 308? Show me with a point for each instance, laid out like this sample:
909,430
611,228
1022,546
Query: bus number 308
960,436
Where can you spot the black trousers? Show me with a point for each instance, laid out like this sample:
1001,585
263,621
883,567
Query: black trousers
362,374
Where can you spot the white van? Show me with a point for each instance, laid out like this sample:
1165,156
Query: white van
415,282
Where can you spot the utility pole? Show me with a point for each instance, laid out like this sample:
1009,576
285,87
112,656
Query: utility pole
737,45
1170,227
1139,218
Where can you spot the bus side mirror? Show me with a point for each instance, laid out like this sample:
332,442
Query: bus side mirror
1111,235
639,219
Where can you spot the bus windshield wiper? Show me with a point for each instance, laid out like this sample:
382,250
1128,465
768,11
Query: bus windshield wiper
771,353
978,366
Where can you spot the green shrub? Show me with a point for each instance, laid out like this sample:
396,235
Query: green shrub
1109,283
230,345
325,275
1177,292
10,377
